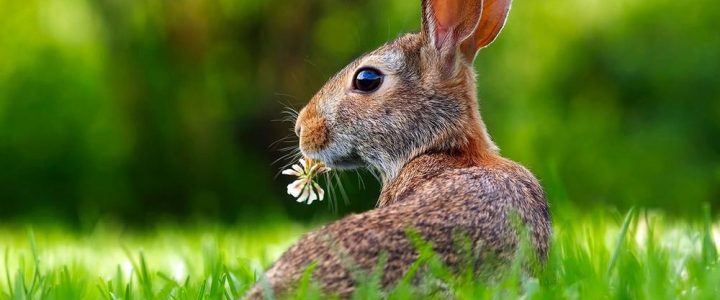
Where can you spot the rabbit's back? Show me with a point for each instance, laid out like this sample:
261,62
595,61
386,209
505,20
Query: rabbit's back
472,204
477,201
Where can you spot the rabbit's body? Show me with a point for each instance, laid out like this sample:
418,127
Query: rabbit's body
475,202
409,110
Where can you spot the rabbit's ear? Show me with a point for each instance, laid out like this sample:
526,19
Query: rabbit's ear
494,14
447,23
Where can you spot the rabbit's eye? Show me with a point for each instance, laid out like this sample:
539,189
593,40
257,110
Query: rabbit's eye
367,80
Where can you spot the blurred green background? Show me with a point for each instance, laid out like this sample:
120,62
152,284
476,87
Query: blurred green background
154,110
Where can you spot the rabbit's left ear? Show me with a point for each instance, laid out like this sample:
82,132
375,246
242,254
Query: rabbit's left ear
446,24
494,15
449,22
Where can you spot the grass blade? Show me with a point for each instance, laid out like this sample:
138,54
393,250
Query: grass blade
709,251
620,240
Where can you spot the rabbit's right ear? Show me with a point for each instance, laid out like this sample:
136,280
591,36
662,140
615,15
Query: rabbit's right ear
492,21
446,24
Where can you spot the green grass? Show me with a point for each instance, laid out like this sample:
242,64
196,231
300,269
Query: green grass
596,255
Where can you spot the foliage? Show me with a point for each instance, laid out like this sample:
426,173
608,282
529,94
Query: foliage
145,110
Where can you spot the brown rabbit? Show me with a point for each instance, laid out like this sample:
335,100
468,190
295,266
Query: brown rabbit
409,110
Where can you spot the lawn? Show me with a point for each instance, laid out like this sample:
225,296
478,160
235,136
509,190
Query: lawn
603,254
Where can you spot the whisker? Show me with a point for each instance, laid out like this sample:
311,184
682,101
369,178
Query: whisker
291,157
290,140
296,156
290,111
375,173
289,114
290,151
287,138
342,189
331,193
361,182
289,148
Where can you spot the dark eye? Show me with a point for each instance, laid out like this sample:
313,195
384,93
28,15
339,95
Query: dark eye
367,80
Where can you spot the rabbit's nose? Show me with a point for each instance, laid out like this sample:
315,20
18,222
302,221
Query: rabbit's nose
297,129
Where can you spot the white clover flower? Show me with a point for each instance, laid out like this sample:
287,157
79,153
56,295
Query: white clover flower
305,188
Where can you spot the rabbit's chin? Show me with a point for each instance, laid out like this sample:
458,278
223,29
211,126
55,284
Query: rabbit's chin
335,161
344,164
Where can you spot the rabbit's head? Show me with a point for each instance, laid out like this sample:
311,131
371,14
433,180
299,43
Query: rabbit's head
411,96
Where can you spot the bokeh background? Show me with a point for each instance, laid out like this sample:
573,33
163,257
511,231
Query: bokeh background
150,110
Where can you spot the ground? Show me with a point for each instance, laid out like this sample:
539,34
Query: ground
639,255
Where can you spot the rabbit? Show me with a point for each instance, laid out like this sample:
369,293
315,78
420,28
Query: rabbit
409,110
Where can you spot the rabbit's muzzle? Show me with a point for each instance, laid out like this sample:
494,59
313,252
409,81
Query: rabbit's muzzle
312,130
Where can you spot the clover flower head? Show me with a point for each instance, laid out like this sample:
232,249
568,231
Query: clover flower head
305,189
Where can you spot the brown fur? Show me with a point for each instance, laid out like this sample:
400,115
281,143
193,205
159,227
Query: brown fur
314,135
441,173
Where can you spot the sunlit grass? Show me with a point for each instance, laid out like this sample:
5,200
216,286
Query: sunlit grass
598,255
